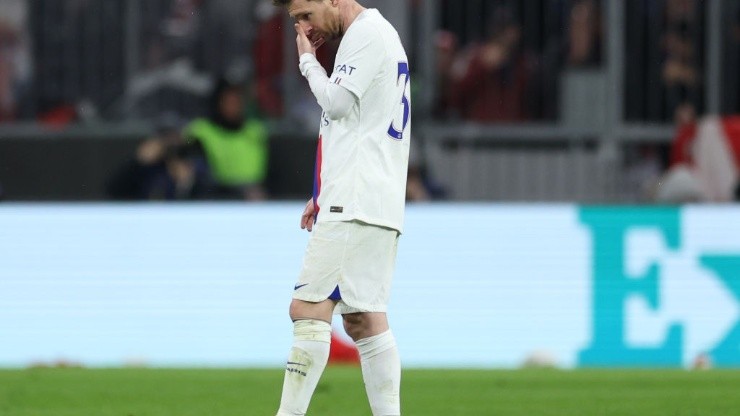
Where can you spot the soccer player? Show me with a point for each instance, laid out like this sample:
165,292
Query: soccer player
356,213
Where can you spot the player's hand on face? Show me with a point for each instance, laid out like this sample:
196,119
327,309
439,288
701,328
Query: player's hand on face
307,218
304,44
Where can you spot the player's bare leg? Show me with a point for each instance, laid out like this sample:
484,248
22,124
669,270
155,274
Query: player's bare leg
308,356
381,365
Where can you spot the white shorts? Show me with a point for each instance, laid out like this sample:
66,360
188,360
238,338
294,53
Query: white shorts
356,258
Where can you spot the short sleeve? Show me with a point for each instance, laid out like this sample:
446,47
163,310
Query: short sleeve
359,59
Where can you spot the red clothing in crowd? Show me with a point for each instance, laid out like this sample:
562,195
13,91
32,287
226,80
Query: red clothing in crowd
268,65
493,94
681,150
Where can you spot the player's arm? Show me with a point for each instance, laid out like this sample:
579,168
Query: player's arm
335,100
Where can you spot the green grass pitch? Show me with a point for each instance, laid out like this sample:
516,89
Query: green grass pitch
247,392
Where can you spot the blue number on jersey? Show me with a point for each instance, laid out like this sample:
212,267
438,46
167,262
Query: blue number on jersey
403,69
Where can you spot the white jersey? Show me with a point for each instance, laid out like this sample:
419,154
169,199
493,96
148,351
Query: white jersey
362,159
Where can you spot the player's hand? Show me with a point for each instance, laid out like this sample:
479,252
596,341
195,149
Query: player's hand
304,44
307,219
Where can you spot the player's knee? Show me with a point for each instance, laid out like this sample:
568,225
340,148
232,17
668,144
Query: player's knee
355,325
307,310
298,310
294,311
364,324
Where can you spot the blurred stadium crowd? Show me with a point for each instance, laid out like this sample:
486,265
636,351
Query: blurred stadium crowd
532,100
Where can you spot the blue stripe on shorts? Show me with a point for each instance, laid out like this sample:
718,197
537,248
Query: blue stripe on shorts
335,295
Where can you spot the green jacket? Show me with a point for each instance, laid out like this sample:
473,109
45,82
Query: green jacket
236,157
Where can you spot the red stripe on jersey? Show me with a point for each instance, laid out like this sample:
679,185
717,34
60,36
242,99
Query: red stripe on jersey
317,180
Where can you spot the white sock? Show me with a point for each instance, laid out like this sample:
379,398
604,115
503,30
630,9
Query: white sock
381,370
306,363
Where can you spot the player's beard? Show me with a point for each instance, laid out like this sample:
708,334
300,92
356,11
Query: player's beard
332,33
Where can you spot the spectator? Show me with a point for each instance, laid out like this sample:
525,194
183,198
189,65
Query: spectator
495,81
574,43
445,43
163,169
8,41
705,161
584,34
208,33
15,61
235,148
680,74
172,31
268,63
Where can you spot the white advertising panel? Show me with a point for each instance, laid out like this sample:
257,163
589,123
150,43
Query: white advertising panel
476,285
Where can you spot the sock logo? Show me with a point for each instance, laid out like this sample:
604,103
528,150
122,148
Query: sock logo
295,370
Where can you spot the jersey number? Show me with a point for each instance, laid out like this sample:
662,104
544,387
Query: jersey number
403,70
